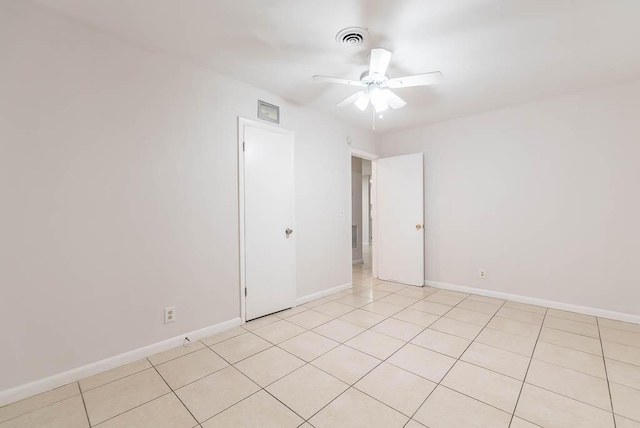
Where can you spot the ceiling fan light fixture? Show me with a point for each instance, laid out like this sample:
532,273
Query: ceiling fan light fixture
378,100
376,84
376,95
363,101
380,107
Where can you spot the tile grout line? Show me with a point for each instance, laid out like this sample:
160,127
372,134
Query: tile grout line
260,388
568,368
370,328
580,350
171,391
202,377
84,404
42,407
567,347
196,351
306,363
180,356
120,378
438,384
207,346
349,386
133,408
231,405
566,396
530,360
355,309
604,362
524,380
568,319
409,342
424,328
174,393
474,341
264,388
570,332
454,364
151,365
515,353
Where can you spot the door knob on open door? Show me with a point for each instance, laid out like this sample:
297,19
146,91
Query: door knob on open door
418,226
288,232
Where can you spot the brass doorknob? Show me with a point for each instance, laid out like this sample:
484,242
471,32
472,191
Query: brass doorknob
418,226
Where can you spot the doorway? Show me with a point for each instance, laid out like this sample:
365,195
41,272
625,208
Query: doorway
267,223
396,218
362,222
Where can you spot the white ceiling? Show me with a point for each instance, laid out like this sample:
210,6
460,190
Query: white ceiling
493,53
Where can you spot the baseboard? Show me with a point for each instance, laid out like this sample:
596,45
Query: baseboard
323,293
24,391
357,262
603,313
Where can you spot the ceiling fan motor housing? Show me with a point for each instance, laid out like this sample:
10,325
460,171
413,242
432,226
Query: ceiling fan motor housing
372,80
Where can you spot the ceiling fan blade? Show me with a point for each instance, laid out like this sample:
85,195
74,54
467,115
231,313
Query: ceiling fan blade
337,80
351,99
363,102
379,61
415,80
394,101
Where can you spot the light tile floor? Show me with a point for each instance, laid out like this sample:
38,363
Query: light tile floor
378,355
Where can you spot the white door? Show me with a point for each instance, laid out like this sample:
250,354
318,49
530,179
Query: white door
400,205
269,237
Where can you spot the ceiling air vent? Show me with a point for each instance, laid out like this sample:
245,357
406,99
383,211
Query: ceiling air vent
352,36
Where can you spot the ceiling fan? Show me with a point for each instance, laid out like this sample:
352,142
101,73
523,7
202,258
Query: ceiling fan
377,85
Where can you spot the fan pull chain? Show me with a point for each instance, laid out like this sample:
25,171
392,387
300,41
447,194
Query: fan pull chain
373,110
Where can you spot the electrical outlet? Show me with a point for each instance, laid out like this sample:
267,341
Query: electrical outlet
169,314
482,274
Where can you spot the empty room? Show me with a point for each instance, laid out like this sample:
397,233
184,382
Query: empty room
319,214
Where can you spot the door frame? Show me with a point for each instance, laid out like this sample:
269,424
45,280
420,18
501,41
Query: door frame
374,225
241,195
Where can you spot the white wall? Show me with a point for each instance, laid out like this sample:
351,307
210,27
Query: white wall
544,196
118,183
366,167
356,204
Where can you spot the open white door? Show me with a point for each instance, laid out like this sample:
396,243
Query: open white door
268,230
400,225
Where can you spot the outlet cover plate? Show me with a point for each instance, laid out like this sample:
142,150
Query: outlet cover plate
169,314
